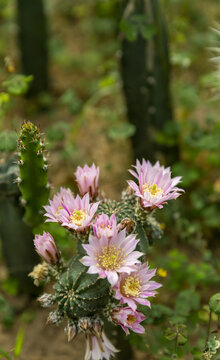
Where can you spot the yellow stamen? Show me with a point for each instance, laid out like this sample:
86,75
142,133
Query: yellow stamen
111,258
78,216
131,319
104,227
153,190
131,286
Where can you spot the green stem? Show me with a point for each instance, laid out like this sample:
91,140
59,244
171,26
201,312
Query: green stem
175,345
209,327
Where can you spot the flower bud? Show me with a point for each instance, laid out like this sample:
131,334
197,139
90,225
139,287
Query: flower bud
85,324
87,180
71,330
46,248
127,224
46,300
54,318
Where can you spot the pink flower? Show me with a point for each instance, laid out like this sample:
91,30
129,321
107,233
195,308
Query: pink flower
128,319
77,213
99,348
108,257
46,248
136,287
105,226
87,180
56,204
155,185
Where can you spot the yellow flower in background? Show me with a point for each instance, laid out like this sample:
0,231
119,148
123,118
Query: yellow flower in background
162,272
9,64
162,226
217,186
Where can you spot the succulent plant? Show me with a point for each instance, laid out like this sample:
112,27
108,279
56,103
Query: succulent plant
79,294
33,174
109,269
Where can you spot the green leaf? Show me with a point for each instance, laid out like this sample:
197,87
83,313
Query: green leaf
214,304
130,30
121,131
17,84
181,339
4,99
148,30
6,312
197,353
71,100
8,141
19,343
170,334
4,354
10,286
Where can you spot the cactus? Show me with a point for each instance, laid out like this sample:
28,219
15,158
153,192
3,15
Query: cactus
145,72
16,236
107,279
129,214
32,26
79,294
33,174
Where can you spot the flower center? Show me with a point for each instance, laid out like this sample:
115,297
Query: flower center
111,258
78,216
153,190
103,227
131,319
131,286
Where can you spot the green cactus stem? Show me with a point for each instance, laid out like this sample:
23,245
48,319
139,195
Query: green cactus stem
16,236
145,72
33,174
79,294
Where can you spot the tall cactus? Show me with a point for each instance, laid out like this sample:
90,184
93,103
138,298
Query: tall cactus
33,174
16,236
145,72
33,43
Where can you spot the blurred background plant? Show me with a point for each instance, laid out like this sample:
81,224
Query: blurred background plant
92,49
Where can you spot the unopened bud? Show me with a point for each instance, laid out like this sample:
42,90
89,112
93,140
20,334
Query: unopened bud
98,327
85,324
46,300
127,224
71,330
46,248
54,318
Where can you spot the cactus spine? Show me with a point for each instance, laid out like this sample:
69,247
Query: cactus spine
33,174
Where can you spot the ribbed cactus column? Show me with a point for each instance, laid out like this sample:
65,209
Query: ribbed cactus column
16,236
33,174
145,72
32,30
